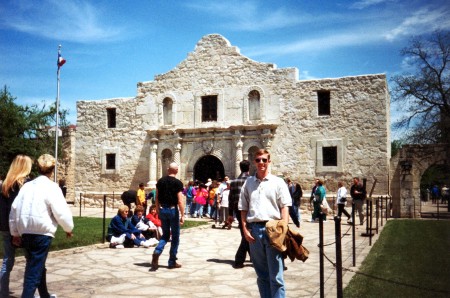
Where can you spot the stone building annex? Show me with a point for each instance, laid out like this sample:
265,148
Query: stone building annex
217,107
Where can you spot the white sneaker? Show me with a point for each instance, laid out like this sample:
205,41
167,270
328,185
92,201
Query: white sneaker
53,296
120,246
145,244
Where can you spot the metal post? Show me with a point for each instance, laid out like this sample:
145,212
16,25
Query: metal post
337,226
104,218
370,225
377,213
353,234
322,275
381,208
80,204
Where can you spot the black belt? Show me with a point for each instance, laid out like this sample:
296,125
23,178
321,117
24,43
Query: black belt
168,206
262,223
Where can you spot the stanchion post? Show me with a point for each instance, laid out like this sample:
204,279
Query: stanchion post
353,234
104,218
370,223
322,275
377,213
337,225
80,203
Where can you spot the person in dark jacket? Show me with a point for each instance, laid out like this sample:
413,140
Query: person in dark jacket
129,197
121,225
294,210
17,176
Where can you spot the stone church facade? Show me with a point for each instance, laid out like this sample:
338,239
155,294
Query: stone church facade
218,107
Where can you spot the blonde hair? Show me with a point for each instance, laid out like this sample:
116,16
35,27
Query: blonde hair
46,164
122,208
18,171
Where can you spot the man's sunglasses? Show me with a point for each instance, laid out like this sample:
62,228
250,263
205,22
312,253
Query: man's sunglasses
258,160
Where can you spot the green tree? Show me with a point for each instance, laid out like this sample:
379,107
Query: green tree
426,92
23,130
396,145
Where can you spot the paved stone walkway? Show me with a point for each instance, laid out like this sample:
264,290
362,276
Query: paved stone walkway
207,256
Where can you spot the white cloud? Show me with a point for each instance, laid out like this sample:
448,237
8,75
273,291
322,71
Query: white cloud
59,20
422,21
250,15
366,3
317,44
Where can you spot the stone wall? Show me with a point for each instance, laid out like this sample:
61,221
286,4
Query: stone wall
289,125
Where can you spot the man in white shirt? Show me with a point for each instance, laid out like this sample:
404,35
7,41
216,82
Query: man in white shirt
35,214
264,197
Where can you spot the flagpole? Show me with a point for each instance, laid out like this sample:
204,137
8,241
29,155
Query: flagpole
57,116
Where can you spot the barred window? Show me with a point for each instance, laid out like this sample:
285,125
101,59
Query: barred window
209,108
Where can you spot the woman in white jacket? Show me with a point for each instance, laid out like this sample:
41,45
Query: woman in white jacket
35,214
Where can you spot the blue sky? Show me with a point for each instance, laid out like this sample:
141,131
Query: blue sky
111,45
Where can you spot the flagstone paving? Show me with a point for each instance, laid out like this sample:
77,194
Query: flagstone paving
207,256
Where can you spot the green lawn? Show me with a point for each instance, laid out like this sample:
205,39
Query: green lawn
410,259
87,231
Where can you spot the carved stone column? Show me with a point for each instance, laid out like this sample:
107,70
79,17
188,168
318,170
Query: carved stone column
267,138
177,158
153,162
238,157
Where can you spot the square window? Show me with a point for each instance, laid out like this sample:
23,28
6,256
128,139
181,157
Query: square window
111,115
209,108
323,102
111,161
329,156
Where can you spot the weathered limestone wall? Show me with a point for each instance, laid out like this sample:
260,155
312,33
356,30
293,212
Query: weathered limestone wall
289,125
358,124
94,140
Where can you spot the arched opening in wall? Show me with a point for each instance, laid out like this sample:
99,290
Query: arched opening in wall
166,159
251,158
208,166
254,105
432,182
167,111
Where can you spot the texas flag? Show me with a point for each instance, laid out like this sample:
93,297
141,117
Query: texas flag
60,61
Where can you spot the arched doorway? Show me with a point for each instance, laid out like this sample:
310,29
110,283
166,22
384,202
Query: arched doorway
208,166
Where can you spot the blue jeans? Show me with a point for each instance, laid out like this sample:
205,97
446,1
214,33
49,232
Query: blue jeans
9,254
188,208
268,263
36,250
295,215
170,221
198,210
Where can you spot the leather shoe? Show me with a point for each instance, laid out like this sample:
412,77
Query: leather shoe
174,266
238,265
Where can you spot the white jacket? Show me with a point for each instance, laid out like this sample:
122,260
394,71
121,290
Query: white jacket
38,209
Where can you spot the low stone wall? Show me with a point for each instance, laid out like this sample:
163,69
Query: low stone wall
96,200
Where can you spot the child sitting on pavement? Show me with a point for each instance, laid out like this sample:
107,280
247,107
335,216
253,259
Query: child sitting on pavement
122,233
148,228
153,218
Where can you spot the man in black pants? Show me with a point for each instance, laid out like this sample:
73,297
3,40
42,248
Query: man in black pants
233,200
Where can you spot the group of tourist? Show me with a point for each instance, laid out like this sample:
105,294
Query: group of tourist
207,199
439,195
30,211
251,200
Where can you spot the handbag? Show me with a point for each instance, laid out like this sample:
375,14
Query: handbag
325,207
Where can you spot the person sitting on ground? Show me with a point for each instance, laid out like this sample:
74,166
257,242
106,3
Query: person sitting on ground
143,224
122,233
153,218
